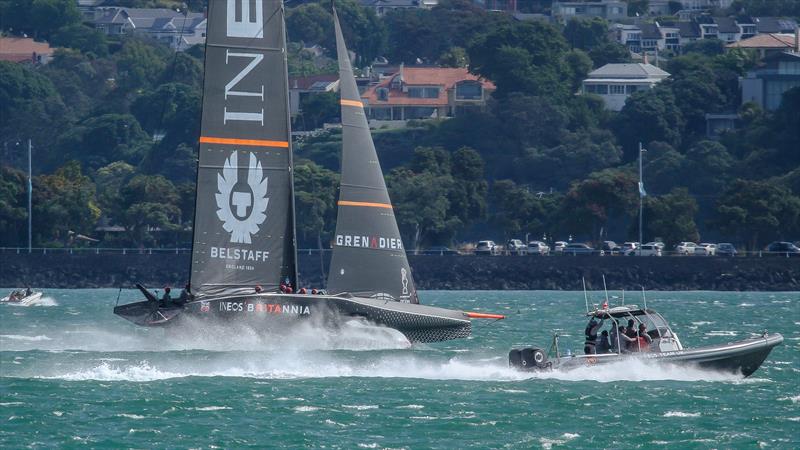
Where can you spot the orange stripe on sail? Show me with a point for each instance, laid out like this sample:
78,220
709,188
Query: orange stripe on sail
355,103
249,142
367,204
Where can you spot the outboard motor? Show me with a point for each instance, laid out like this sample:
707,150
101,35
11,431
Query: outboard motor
530,358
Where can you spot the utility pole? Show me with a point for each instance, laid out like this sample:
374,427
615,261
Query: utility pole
30,196
642,194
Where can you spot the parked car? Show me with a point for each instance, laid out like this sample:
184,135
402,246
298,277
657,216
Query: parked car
486,248
645,250
439,250
726,249
538,248
628,246
658,244
559,246
685,248
611,248
705,249
575,249
516,247
783,249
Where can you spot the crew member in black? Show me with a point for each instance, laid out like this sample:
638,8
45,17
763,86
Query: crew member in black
28,291
186,295
603,346
589,346
166,299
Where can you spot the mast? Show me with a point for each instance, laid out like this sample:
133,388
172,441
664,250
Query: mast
244,217
368,257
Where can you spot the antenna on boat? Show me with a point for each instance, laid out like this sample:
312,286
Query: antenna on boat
644,298
606,291
585,297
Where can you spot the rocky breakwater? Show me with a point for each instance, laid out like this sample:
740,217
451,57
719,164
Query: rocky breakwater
90,270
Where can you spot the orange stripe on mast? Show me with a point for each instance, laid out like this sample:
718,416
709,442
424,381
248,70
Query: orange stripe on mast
355,103
366,204
248,142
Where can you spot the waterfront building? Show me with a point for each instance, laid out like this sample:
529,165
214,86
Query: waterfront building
614,83
765,85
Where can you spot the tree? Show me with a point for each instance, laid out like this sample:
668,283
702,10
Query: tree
454,57
757,212
81,37
13,211
64,203
578,65
708,167
650,115
309,23
670,217
39,18
586,34
609,53
109,181
103,139
149,202
315,200
139,64
318,109
707,47
638,8
590,203
30,106
521,57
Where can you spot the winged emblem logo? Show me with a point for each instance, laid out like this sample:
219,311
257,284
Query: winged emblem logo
250,207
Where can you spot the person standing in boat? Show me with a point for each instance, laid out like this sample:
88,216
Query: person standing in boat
643,340
603,346
590,345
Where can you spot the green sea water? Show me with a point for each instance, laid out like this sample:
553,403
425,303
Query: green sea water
74,375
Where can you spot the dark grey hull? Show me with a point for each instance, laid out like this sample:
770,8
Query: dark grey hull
743,357
419,323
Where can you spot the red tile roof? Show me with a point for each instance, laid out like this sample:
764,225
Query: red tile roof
446,78
771,40
22,49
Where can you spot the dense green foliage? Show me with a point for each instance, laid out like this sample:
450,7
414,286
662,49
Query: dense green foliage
115,122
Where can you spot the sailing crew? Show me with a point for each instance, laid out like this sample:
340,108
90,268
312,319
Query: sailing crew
589,346
603,346
28,291
166,299
259,289
186,295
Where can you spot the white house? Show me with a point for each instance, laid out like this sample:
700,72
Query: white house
614,83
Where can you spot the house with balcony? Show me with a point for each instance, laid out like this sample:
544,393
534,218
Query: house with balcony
425,93
179,30
614,83
302,87
611,10
778,73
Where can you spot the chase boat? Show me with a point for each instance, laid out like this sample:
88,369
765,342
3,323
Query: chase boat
19,297
743,356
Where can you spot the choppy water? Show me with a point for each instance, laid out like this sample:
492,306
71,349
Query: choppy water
72,374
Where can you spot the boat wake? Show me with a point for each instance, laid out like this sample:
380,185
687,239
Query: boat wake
41,301
287,364
354,335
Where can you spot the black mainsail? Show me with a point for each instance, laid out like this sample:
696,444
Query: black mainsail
244,218
368,258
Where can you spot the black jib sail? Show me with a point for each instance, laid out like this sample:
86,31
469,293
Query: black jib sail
369,258
244,219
